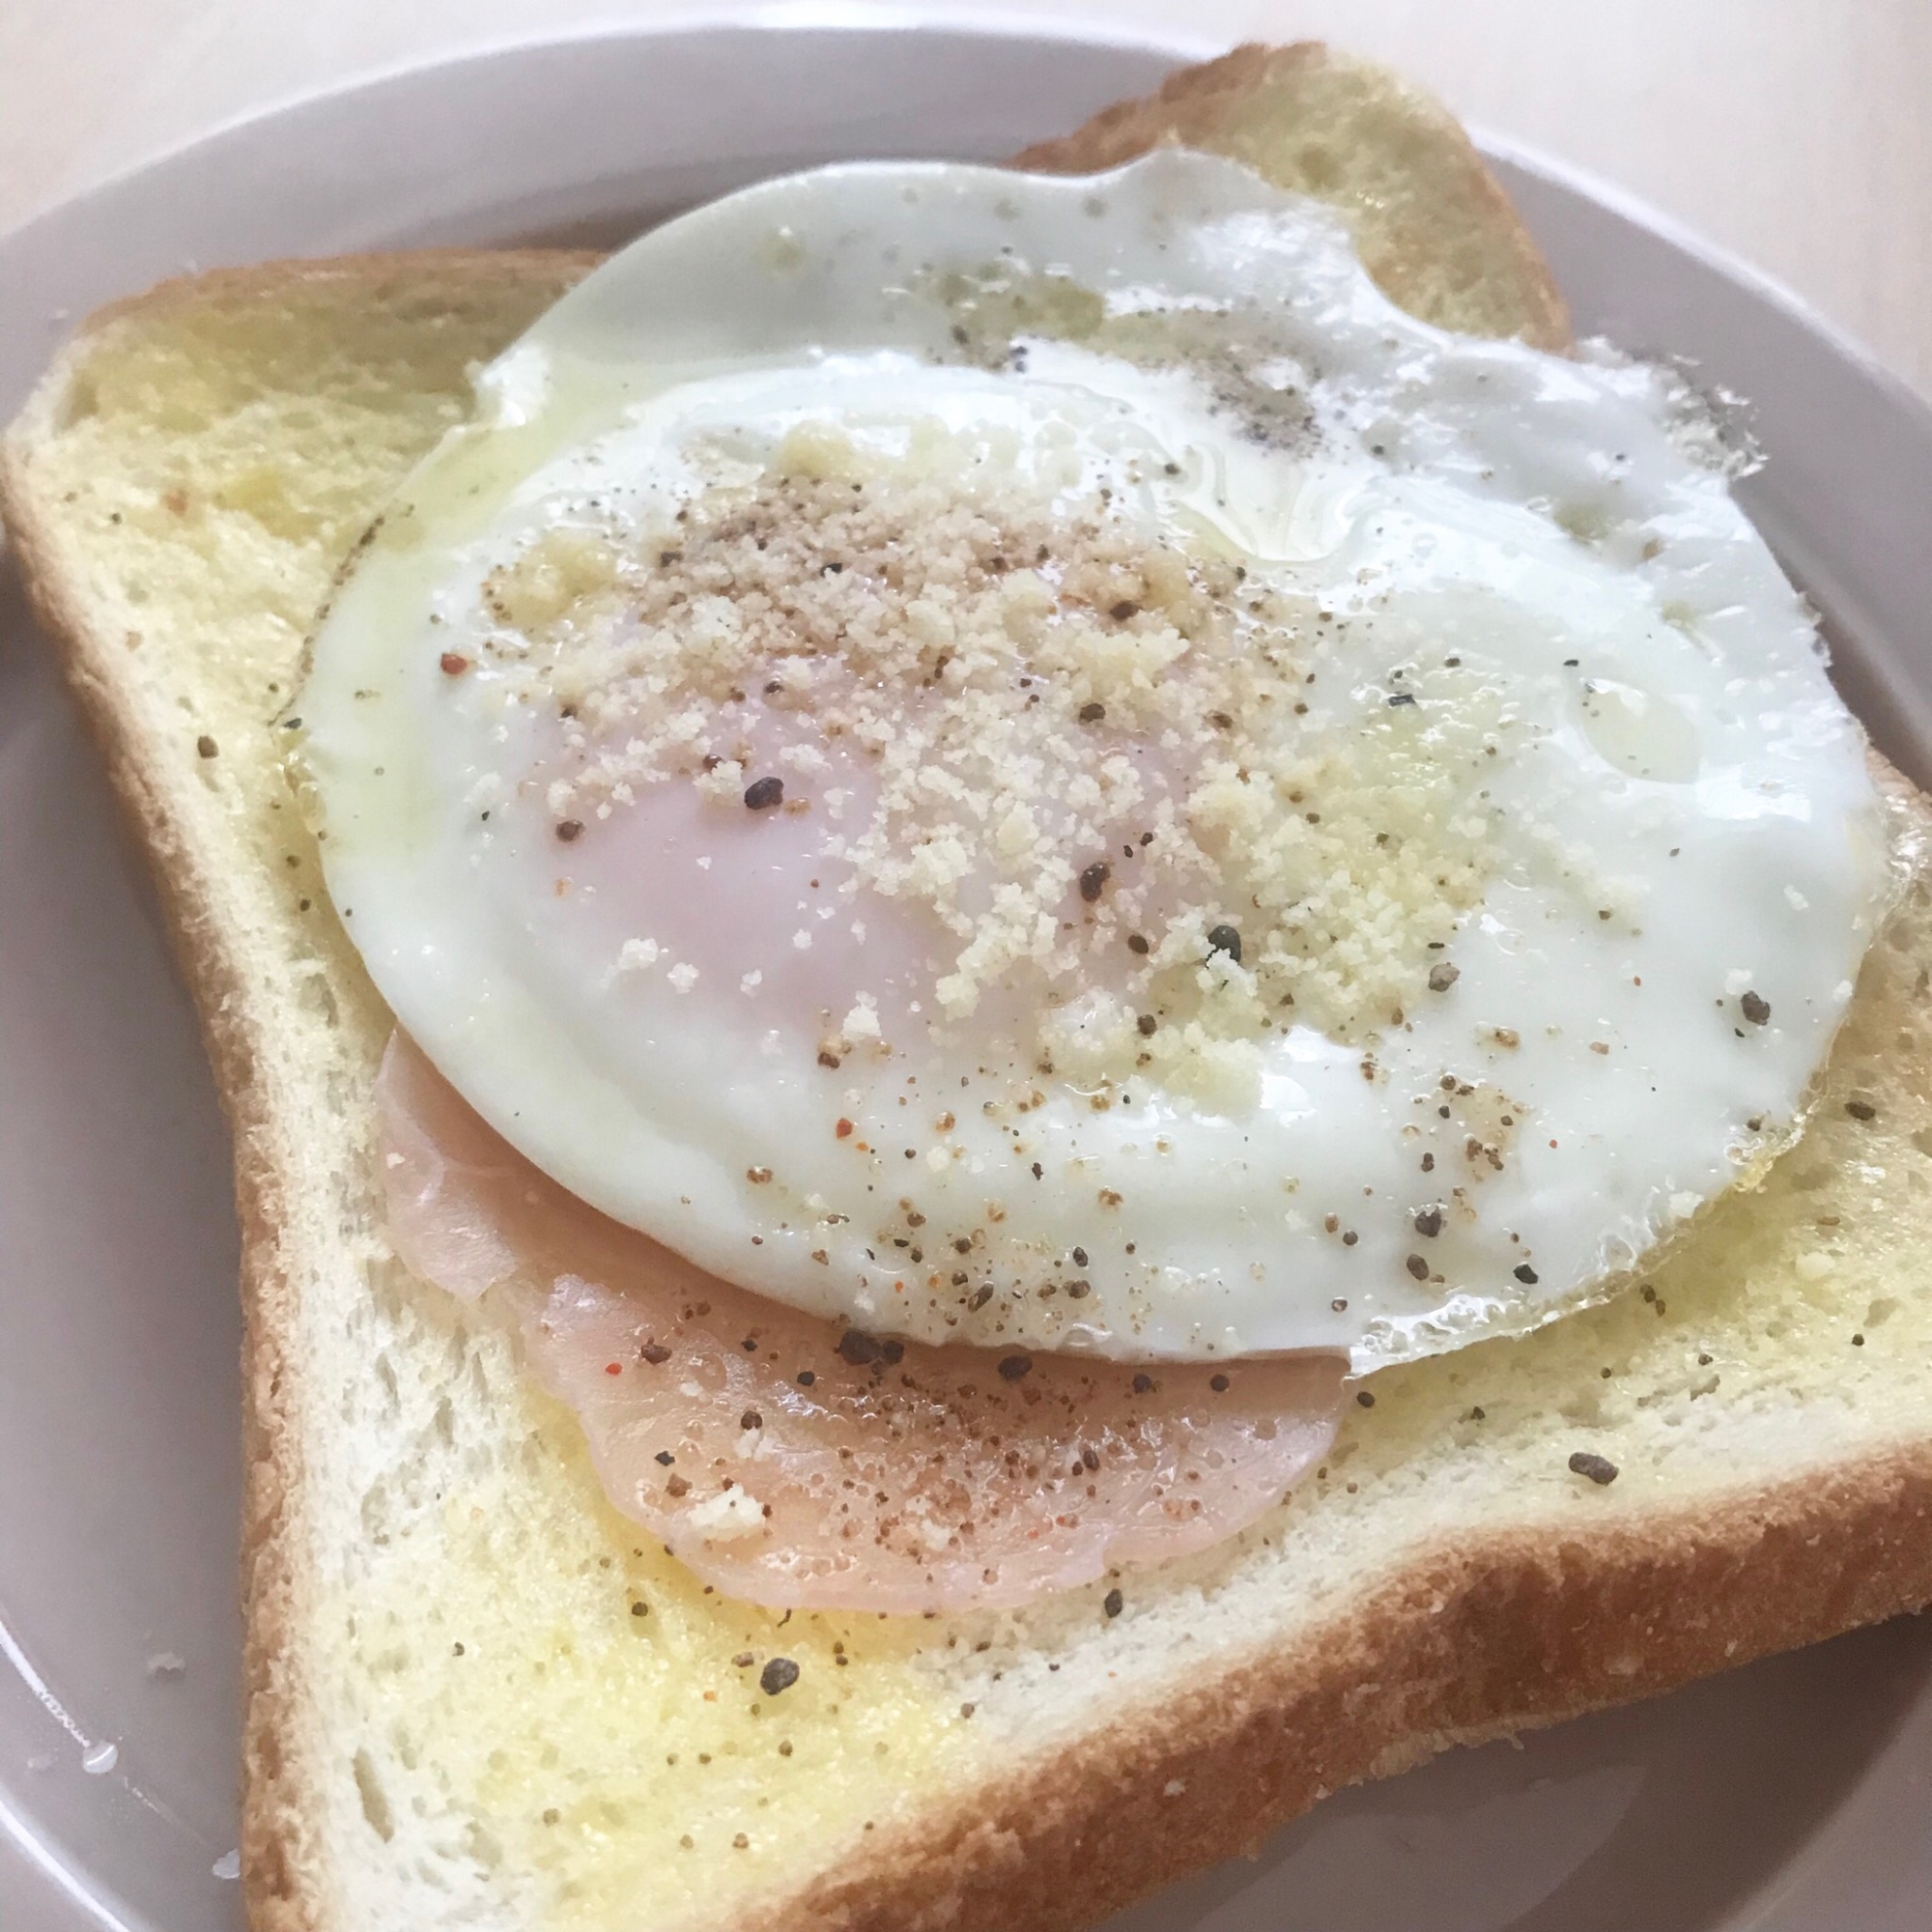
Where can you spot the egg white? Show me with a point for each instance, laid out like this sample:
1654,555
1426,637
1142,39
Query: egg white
1680,814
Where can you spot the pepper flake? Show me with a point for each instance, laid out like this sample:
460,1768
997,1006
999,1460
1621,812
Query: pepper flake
781,1673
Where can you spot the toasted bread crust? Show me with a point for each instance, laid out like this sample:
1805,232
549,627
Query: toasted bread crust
1458,1645
274,1832
282,1859
1461,1647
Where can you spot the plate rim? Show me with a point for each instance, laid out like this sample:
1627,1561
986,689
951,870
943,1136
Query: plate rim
861,18
689,18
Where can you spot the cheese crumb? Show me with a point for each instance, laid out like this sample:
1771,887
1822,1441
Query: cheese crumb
726,1516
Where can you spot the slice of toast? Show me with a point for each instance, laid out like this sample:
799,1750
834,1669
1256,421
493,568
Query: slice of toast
479,1698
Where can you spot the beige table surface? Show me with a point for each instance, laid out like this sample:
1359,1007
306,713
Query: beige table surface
1797,132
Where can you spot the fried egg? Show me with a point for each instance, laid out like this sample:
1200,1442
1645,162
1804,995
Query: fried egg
1025,760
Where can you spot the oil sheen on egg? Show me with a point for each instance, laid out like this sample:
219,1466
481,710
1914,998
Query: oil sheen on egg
1027,761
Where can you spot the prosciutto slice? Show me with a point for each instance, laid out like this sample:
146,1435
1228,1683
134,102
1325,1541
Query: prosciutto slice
799,1464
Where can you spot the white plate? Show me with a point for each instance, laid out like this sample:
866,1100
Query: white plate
1790,1797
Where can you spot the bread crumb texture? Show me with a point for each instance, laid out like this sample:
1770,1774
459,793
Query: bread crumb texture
479,1699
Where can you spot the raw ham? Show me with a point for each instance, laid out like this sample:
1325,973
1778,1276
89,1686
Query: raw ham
795,1463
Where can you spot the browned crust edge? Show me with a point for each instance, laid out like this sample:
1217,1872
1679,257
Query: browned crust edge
280,1844
273,1838
1458,1646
